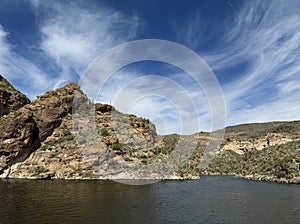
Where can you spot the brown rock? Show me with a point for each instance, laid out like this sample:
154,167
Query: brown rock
19,137
103,108
10,98
50,108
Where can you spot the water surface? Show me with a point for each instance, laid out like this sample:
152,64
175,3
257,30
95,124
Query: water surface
215,199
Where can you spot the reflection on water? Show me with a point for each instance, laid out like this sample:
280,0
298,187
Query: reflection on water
217,199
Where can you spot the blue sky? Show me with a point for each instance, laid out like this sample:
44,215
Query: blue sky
253,48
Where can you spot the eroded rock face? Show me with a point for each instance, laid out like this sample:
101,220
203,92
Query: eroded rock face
49,109
39,140
43,140
19,137
10,98
23,130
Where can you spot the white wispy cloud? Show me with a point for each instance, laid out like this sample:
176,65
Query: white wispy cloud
169,101
265,37
4,48
262,40
24,74
187,96
72,36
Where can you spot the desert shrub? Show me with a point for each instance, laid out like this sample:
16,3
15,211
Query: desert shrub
117,146
38,170
159,150
17,114
104,132
53,155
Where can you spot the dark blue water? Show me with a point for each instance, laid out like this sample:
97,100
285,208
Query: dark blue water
216,199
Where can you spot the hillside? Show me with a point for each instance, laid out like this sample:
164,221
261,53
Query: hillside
38,140
10,98
265,151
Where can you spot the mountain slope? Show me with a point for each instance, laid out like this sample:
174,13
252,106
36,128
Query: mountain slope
57,151
10,98
39,140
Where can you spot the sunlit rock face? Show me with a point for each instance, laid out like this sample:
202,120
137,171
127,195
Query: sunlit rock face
10,98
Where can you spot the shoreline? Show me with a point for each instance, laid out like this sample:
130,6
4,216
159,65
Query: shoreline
295,180
261,178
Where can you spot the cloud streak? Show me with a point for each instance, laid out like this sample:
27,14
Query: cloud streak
71,36
267,41
257,60
19,70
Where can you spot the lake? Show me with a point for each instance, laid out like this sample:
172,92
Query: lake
212,199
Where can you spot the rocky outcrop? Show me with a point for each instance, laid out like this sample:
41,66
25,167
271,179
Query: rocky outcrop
267,151
65,151
49,109
53,137
23,130
10,98
19,137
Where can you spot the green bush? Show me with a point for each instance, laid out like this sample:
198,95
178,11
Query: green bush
159,150
117,146
68,137
44,148
145,161
104,132
17,114
38,170
53,155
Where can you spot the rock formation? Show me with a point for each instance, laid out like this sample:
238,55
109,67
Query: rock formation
10,98
19,137
53,137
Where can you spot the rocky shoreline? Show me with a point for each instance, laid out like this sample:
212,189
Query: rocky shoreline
272,179
255,178
38,140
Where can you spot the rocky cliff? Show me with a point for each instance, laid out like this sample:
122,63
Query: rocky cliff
41,139
10,98
19,131
267,151
262,151
38,140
